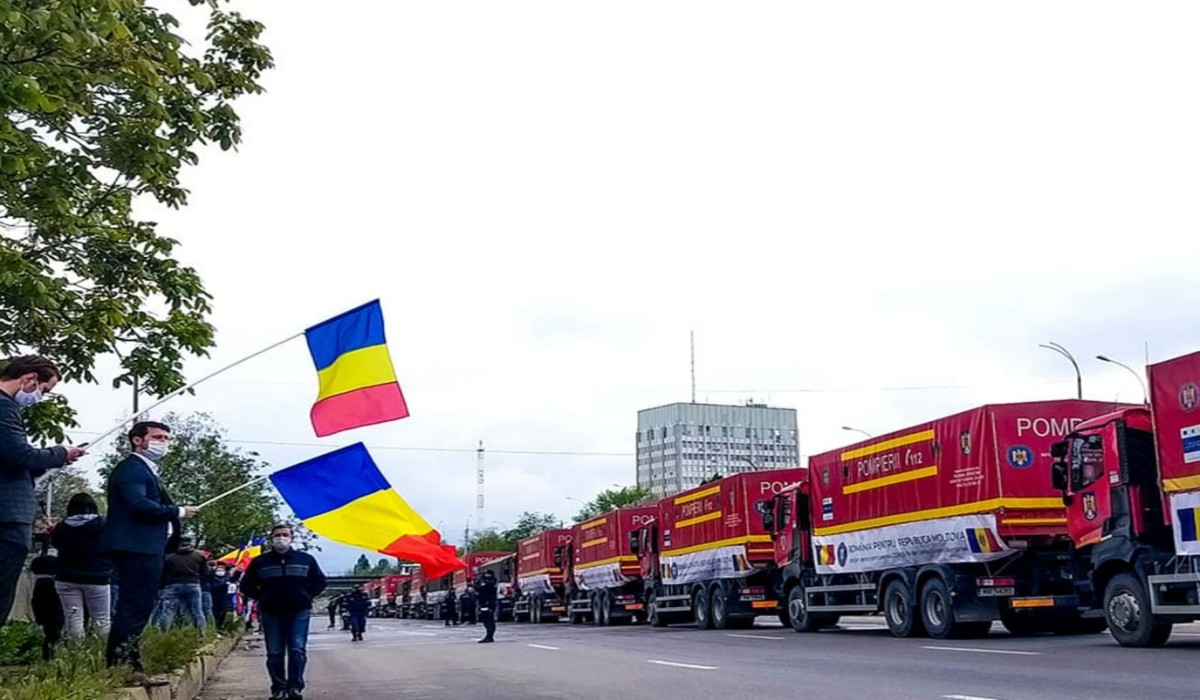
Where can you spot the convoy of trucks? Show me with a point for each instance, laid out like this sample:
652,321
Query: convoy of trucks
1064,517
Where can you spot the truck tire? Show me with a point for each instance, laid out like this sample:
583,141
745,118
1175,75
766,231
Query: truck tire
701,610
603,618
937,612
900,610
799,618
656,618
535,611
1127,609
719,602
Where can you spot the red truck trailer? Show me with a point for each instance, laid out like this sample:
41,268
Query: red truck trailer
603,577
707,558
392,586
539,580
505,570
1130,482
475,561
414,604
941,527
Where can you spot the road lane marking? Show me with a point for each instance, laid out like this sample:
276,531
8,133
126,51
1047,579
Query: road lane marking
753,636
679,665
416,634
966,697
985,651
543,646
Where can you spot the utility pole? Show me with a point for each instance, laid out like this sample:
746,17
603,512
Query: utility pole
693,335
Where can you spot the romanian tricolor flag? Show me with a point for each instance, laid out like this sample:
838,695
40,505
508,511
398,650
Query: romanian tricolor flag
826,555
1189,524
982,541
342,495
241,558
357,382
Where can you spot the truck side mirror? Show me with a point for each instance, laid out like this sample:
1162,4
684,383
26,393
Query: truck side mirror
1058,475
768,522
558,557
635,542
1058,450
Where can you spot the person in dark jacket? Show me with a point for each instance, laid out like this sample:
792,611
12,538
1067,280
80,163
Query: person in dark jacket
489,599
357,603
284,581
142,522
450,608
23,382
47,608
467,604
332,609
82,578
181,594
219,590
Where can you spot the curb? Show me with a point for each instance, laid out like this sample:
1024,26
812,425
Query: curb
188,682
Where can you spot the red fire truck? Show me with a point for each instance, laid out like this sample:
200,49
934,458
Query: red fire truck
539,579
707,557
943,527
603,578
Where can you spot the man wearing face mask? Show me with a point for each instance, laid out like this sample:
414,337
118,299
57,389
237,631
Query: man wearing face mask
143,522
23,381
284,581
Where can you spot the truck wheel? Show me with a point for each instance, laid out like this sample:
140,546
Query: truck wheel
1127,609
701,610
720,609
602,617
656,618
535,611
900,610
798,616
937,610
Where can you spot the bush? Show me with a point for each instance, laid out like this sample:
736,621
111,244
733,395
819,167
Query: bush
166,651
76,673
20,644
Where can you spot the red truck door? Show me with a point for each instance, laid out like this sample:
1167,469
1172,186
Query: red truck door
1092,464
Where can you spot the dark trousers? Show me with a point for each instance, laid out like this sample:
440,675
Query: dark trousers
12,561
286,637
358,623
139,575
488,617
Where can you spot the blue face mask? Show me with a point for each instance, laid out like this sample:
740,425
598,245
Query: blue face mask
25,399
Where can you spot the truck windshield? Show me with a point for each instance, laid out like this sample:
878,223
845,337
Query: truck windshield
1087,461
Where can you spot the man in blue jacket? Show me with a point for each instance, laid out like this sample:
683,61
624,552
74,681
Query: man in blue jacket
23,382
142,522
284,581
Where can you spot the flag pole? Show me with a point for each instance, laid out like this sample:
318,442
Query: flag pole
177,392
233,490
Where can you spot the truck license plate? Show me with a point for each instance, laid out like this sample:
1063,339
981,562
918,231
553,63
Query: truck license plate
634,606
996,591
558,608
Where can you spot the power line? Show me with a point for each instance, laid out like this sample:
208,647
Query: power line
835,390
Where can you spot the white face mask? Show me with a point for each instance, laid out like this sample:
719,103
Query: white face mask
25,399
281,544
156,449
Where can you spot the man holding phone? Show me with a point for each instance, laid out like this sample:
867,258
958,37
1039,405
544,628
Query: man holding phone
24,381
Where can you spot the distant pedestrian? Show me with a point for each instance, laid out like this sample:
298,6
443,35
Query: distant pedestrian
488,604
467,603
141,520
181,594
219,592
332,609
284,581
82,578
23,382
357,604
206,582
450,608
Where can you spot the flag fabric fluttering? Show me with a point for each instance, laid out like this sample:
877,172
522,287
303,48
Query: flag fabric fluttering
357,383
342,495
241,557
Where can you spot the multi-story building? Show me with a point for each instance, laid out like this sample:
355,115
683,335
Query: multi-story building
682,444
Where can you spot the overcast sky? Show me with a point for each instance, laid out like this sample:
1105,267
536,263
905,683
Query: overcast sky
842,198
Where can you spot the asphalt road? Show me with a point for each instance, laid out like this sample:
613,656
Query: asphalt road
422,660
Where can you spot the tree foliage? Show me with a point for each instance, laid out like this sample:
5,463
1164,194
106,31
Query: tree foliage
202,465
103,101
531,524
611,499
491,541
60,485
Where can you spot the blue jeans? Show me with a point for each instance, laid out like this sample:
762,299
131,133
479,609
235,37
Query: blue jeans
286,636
180,599
206,603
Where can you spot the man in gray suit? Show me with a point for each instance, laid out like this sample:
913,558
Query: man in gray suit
23,382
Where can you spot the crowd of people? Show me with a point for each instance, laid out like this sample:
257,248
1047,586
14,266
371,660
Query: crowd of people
115,574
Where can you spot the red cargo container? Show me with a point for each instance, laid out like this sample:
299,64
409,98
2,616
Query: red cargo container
1131,482
539,579
475,563
707,557
505,570
939,526
604,578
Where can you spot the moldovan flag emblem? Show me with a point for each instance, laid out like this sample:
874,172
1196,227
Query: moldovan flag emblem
1189,524
342,495
357,384
982,541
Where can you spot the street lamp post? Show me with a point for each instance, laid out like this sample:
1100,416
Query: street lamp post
1063,351
857,430
1141,382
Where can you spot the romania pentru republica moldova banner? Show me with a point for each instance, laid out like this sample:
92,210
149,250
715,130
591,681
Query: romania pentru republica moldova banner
342,495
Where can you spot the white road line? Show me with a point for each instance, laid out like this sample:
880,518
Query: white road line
542,646
752,636
416,634
966,697
985,651
679,665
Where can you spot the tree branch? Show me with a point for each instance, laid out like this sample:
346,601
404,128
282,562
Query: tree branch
36,57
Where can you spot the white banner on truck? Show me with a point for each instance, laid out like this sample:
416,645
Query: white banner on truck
720,562
957,540
603,576
534,585
1185,509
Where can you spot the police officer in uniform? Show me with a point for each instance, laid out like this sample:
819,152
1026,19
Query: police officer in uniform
488,604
